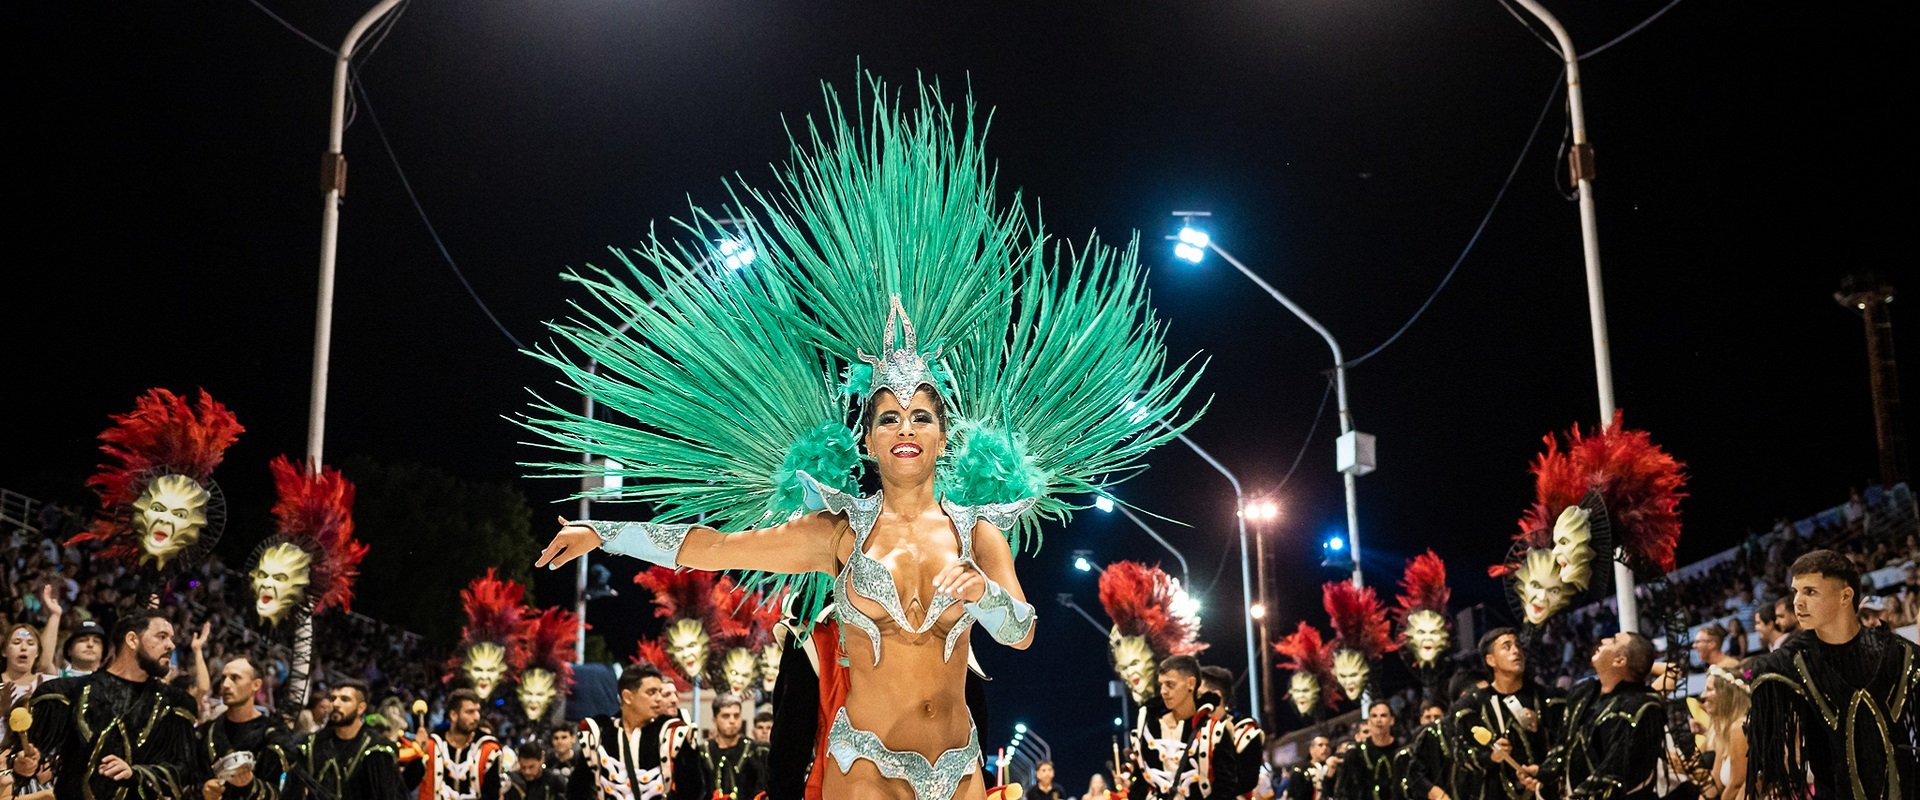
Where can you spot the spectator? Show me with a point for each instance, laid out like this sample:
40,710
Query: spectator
1043,788
1097,788
1766,618
1709,646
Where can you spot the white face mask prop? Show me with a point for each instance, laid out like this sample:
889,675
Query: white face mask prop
1304,691
737,669
1426,634
486,667
687,644
769,667
538,688
1350,671
1542,593
170,515
1573,547
280,581
1133,660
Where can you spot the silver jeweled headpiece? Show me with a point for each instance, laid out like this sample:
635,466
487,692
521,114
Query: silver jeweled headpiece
900,370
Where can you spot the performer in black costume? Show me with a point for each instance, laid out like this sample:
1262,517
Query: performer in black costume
243,728
1304,779
1834,671
1425,765
1616,726
1249,742
1180,751
645,753
121,732
347,758
1521,718
1365,772
738,763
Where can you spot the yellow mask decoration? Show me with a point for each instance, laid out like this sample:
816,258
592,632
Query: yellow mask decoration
170,515
1350,671
1304,690
1573,547
737,667
769,666
538,688
1542,593
280,581
1426,634
687,644
485,668
1133,660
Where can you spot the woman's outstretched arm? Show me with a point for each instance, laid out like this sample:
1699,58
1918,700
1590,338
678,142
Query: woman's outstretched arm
806,544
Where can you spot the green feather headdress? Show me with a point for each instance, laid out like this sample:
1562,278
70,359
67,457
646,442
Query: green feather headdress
883,259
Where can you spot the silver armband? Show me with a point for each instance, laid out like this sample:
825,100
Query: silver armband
648,541
1007,620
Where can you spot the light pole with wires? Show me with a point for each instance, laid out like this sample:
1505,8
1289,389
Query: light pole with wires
1353,451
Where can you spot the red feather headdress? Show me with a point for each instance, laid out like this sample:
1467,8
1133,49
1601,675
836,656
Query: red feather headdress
654,652
315,513
1305,650
1639,483
756,616
550,639
495,614
163,434
1359,623
1140,599
694,594
1423,586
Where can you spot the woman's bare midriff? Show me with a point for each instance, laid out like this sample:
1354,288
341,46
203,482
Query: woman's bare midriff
915,701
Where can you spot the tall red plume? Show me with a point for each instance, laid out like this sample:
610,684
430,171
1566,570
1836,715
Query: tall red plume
1641,484
653,651
756,616
315,513
1305,650
495,614
1359,623
1423,586
696,594
1139,599
550,639
162,433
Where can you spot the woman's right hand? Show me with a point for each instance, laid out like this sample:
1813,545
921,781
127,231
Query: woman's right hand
573,541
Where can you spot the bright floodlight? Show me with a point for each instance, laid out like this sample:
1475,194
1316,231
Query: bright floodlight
1186,605
735,254
1081,563
1103,502
1189,253
1019,727
1262,510
1194,236
1117,723
1336,542
1257,611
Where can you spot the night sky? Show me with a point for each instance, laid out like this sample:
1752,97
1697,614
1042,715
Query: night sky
167,234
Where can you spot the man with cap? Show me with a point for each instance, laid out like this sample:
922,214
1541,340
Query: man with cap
84,649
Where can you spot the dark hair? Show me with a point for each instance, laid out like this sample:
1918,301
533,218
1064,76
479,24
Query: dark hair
135,622
764,716
461,696
1376,704
724,699
631,677
1217,676
253,664
1186,664
1767,612
357,685
531,750
1492,638
1434,702
1639,652
1828,564
566,729
1463,682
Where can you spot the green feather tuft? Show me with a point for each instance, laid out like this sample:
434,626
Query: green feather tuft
829,454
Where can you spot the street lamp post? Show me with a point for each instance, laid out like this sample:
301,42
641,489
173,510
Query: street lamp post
1355,450
1255,680
1186,580
1580,163
1263,512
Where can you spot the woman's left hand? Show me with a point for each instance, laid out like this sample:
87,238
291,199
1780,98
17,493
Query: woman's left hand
962,580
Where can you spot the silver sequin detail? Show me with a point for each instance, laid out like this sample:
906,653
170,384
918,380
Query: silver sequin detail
662,541
938,779
1013,627
899,370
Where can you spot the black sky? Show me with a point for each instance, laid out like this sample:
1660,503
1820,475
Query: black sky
168,224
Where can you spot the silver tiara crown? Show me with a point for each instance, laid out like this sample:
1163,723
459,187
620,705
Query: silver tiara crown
901,370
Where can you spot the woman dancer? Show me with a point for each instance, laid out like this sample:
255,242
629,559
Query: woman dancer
1003,379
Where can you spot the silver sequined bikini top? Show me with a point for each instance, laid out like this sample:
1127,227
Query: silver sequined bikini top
870,578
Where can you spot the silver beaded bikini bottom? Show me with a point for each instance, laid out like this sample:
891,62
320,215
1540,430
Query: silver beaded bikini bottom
931,780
